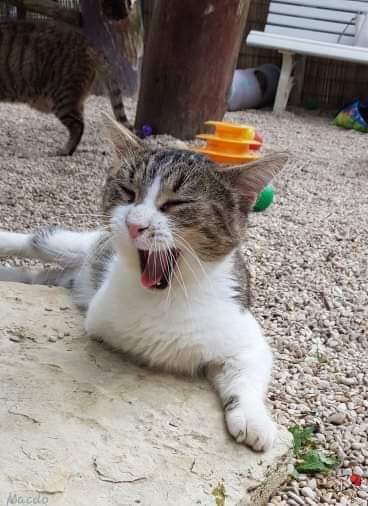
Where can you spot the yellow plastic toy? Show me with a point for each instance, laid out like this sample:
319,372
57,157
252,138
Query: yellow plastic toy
230,143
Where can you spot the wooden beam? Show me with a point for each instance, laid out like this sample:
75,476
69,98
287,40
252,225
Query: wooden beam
189,59
50,9
286,82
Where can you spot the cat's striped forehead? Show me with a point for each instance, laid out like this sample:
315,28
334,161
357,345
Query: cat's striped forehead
174,167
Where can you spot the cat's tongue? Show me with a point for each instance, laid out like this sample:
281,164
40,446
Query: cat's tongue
155,269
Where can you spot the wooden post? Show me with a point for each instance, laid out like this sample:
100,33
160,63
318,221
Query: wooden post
286,82
189,59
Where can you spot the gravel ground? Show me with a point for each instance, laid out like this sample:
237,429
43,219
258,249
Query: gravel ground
307,254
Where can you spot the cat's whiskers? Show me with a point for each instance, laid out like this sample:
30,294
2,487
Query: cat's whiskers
168,300
182,257
183,244
169,290
186,247
182,284
180,279
175,266
159,255
190,249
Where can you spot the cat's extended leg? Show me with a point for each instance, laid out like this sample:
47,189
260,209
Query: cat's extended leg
68,108
49,245
241,382
50,277
73,120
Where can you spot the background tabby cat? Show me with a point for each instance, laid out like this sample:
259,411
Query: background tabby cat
52,68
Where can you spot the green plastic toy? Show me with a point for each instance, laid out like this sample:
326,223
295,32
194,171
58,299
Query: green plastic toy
265,199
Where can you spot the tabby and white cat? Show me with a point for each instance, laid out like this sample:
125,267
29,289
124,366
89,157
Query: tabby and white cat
166,281
52,68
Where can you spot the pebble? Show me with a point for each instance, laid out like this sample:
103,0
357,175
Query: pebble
291,502
308,492
358,470
310,501
362,494
312,484
356,446
347,381
296,498
52,339
337,418
327,498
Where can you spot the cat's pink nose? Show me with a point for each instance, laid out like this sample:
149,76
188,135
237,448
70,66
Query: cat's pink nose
135,230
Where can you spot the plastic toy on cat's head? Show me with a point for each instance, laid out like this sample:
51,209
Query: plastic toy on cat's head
233,144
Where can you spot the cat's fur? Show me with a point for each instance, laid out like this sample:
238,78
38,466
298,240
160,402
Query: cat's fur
196,319
52,68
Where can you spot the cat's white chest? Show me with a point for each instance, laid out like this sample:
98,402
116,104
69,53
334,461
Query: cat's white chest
179,330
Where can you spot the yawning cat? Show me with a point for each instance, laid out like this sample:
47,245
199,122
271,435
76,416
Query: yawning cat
165,281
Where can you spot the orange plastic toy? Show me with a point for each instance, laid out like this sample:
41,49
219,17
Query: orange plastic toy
230,143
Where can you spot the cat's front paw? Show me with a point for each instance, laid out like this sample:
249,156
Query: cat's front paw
253,427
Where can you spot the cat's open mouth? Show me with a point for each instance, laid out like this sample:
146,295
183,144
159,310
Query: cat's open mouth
157,267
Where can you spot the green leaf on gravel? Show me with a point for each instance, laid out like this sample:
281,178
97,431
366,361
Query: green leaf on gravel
310,459
330,460
302,437
315,461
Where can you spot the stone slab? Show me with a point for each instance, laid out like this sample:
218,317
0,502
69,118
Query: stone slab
80,425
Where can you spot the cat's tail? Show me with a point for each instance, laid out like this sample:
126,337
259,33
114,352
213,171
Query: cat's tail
106,78
117,104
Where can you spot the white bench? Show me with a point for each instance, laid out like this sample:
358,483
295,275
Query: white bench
297,28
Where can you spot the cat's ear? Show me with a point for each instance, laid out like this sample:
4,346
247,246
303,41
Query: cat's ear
125,143
249,179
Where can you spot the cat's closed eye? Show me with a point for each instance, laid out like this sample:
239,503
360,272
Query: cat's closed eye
124,194
172,204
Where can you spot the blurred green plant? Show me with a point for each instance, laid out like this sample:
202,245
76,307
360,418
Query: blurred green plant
309,458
